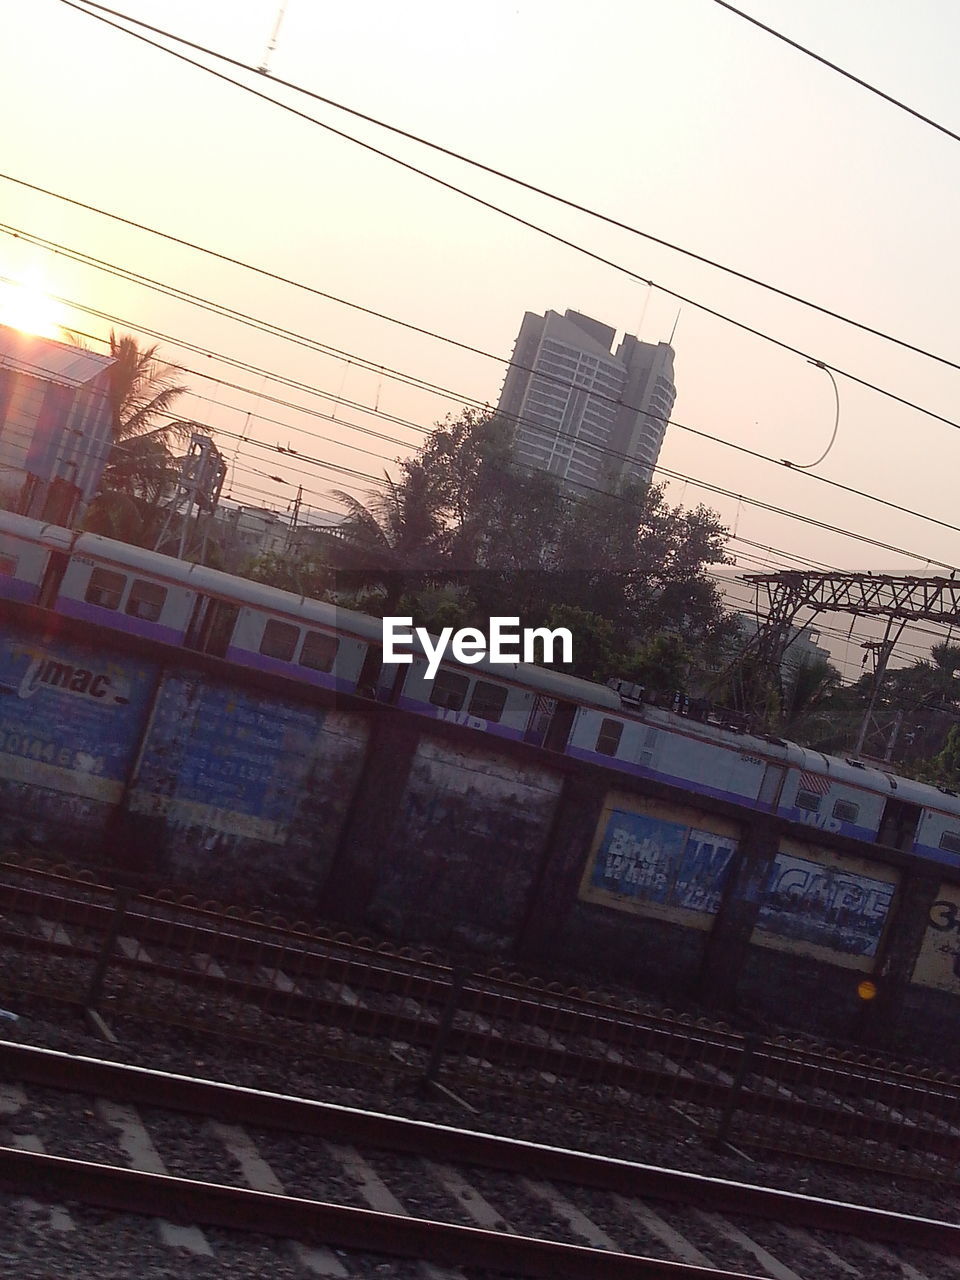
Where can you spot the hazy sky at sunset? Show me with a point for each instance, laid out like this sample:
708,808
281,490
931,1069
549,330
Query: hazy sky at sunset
678,118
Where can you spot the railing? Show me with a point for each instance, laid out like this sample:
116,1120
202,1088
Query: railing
244,974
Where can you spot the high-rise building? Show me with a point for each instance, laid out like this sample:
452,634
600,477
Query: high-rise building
592,417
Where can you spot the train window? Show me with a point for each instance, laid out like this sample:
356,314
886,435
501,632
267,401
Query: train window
8,566
608,739
105,588
487,700
146,600
279,640
808,800
449,689
846,810
319,651
950,840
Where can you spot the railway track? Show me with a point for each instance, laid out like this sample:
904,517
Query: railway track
483,1033
356,1193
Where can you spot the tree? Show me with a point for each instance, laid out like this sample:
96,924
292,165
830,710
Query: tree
943,769
626,567
806,709
394,539
140,466
661,664
305,575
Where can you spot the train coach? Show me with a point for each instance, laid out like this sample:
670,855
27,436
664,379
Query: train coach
129,589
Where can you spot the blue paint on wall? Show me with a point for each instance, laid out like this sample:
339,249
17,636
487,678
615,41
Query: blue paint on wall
70,717
826,905
665,862
218,756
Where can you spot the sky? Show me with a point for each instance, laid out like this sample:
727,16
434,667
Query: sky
679,119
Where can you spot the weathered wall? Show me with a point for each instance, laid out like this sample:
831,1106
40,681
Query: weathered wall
245,786
649,889
825,905
71,716
238,792
466,847
246,792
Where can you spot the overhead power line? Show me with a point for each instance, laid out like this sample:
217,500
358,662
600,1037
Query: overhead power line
487,204
564,201
661,471
602,450
463,346
848,75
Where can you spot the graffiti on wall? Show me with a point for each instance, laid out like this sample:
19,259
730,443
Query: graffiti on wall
229,761
647,859
70,718
826,902
938,963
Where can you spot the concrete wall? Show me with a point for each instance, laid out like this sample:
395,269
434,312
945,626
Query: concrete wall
465,852
248,788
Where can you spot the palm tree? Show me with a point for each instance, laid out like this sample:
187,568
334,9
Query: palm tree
808,713
395,535
140,466
141,390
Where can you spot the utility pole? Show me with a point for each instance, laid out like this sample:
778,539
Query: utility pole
881,649
295,517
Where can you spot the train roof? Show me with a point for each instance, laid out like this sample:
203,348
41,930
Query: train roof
869,774
30,530
552,683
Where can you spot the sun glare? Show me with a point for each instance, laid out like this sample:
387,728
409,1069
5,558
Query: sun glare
25,306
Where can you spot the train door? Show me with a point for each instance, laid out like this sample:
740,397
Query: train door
561,722
771,785
57,563
898,827
538,722
370,681
211,626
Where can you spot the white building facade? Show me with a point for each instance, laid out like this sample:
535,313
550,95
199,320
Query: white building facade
55,426
592,417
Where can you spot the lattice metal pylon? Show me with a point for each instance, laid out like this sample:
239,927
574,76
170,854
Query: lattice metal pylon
904,598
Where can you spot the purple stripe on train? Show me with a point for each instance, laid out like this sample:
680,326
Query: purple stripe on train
118,621
18,589
643,771
459,717
942,856
822,822
292,670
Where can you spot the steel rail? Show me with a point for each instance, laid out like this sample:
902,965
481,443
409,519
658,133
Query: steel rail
422,979
427,981
505,1001
214,1204
583,1068
262,1109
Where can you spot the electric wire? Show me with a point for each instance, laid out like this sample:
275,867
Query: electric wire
603,450
564,201
742,325
672,474
818,57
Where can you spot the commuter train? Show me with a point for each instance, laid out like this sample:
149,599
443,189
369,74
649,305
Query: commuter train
249,624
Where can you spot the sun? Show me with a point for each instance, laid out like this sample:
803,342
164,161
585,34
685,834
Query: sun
25,306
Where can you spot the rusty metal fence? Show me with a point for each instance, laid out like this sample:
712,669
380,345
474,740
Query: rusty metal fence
204,967
859,1109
